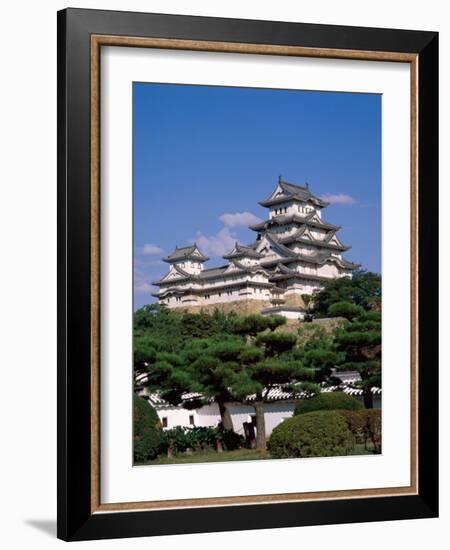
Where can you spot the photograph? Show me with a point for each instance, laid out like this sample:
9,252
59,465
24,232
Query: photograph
257,318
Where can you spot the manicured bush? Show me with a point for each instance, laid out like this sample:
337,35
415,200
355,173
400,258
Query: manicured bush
231,440
199,438
345,309
147,431
330,401
373,427
356,423
321,433
365,425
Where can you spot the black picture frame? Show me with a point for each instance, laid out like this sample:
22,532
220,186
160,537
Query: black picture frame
75,519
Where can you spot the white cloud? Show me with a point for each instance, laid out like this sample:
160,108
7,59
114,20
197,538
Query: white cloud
143,278
216,245
149,249
338,198
142,287
239,218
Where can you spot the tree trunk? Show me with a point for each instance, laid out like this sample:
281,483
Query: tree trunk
260,426
225,415
170,449
368,398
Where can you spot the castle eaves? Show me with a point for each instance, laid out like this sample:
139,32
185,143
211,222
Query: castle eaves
186,253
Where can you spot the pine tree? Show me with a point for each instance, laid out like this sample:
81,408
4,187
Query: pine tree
360,339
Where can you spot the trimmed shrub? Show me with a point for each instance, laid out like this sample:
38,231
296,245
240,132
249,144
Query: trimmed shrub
199,438
321,433
373,427
356,423
345,309
365,425
147,431
328,402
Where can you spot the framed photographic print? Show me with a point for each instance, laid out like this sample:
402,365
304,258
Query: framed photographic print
248,293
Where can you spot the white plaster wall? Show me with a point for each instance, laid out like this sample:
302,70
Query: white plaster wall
318,233
303,249
290,314
176,416
274,414
328,270
248,261
191,266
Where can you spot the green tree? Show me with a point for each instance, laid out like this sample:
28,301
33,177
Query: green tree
163,372
159,325
266,362
360,340
245,366
317,350
345,309
240,359
251,325
363,289
147,431
212,366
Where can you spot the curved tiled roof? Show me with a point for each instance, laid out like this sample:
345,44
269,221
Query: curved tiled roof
241,251
275,393
212,273
297,237
185,253
293,218
292,191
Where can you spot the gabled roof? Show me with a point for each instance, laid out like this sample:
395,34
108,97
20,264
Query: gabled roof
303,236
186,253
286,191
229,270
212,272
310,219
241,251
250,268
171,276
275,245
319,258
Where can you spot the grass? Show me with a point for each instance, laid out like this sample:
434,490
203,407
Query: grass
228,456
211,456
361,450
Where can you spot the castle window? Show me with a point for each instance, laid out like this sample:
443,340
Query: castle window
164,422
191,420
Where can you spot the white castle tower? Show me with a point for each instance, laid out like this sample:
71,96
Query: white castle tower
294,253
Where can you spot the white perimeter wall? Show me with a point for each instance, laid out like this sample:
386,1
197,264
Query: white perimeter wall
209,415
274,414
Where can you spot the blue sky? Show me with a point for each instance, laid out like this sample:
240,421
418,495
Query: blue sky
204,156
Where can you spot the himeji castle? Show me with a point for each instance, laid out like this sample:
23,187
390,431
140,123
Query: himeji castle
295,251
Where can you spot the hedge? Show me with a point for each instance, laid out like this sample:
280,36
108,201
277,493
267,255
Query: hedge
321,433
365,425
199,438
327,402
147,431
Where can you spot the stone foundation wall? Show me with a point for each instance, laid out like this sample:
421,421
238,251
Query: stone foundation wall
293,300
240,307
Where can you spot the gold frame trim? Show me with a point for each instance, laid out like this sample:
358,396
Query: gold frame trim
97,41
